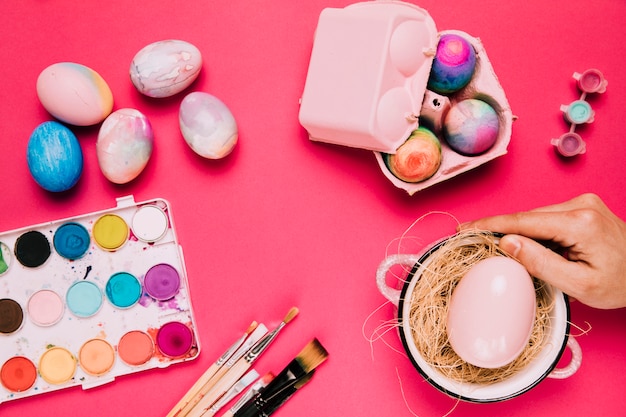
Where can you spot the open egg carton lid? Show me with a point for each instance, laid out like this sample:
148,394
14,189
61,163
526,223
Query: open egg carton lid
367,80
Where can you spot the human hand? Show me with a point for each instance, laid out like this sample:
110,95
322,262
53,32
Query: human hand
593,267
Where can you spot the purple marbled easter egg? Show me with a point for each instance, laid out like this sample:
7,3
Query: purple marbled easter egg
207,125
165,68
471,127
124,145
453,66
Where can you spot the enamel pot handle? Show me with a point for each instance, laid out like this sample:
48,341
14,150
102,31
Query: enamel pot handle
574,364
393,294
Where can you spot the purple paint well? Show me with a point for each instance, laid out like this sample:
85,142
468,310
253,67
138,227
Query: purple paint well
174,339
162,282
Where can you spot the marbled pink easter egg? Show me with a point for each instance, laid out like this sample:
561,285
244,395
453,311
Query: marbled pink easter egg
124,145
165,68
207,125
74,94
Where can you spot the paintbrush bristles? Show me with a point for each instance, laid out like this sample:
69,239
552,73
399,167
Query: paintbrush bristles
291,315
312,355
252,327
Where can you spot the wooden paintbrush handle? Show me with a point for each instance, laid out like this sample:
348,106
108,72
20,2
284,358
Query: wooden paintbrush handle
229,379
193,391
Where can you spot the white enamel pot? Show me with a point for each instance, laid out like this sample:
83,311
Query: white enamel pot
543,366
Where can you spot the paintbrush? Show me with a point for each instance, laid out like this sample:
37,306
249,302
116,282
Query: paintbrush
297,373
240,367
257,387
211,371
247,344
261,406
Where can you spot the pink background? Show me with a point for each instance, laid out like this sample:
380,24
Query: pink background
284,221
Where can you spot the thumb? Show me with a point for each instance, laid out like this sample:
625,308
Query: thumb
539,261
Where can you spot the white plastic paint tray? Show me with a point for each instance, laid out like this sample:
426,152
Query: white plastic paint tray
367,78
80,326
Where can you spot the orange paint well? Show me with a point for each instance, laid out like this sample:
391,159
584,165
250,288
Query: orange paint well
135,348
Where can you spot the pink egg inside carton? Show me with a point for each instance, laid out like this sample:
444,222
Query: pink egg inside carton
366,85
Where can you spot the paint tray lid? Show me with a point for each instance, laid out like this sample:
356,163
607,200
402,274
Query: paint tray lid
367,74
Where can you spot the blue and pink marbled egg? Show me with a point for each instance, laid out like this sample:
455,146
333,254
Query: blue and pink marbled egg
453,66
471,127
124,145
207,125
165,68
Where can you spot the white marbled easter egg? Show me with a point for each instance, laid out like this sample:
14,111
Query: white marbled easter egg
74,94
124,145
207,125
165,68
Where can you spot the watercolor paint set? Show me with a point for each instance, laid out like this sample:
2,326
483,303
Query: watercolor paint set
86,299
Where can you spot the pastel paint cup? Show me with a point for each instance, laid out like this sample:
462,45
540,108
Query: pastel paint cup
150,223
174,339
591,81
45,308
162,282
18,374
32,249
123,290
71,241
110,232
84,298
96,357
569,144
11,316
5,258
578,112
57,365
135,348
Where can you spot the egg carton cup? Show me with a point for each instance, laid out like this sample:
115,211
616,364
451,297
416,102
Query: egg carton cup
366,85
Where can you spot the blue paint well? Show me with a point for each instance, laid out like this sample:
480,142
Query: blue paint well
84,298
71,241
123,290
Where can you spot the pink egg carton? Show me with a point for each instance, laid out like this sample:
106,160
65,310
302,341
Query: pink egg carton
366,85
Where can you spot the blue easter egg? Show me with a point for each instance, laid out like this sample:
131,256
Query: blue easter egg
54,157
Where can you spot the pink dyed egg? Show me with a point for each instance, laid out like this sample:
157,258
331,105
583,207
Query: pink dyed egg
165,68
74,94
124,145
492,313
207,125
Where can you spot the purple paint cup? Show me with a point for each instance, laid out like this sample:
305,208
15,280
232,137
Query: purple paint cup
162,282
